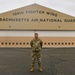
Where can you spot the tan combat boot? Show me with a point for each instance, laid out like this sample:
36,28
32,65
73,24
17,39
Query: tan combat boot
32,69
40,69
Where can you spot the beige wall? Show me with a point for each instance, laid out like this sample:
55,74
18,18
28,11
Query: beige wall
22,35
24,20
24,42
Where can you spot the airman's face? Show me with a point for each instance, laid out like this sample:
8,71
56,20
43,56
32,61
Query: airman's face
36,36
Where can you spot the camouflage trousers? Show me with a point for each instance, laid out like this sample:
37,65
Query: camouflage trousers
38,56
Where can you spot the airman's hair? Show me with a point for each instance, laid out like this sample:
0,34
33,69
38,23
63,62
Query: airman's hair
36,33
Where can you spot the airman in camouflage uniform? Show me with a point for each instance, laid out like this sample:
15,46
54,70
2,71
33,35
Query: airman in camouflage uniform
36,45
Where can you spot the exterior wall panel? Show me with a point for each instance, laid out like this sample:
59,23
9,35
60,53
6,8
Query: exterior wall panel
24,42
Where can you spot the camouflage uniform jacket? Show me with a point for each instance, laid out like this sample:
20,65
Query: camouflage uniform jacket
36,44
